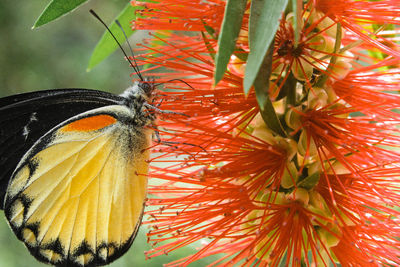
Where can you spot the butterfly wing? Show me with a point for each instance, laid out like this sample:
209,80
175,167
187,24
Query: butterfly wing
24,118
76,197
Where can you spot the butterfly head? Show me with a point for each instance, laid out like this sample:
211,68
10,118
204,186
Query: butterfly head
140,90
147,88
137,98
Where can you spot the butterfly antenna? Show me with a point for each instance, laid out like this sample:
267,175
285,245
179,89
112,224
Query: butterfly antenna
130,47
172,80
123,51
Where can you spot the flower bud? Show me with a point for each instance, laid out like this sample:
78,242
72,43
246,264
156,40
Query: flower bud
340,69
317,97
292,118
318,206
337,168
301,195
304,145
330,238
318,43
302,70
290,176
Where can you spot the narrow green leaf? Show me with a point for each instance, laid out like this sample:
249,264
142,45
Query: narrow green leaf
271,119
289,90
107,45
310,181
255,12
233,17
323,78
55,9
210,49
261,38
261,86
241,54
296,4
261,83
210,30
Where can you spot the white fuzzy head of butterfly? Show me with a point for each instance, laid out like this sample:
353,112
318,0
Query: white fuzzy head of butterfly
137,98
142,89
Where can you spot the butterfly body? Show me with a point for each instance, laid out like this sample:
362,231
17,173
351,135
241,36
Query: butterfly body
77,184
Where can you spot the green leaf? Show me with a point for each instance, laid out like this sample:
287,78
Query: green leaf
310,181
255,12
296,20
56,9
107,45
233,17
261,86
210,30
289,90
210,49
338,40
271,119
241,54
266,25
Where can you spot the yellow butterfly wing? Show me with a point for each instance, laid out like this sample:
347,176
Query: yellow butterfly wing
76,198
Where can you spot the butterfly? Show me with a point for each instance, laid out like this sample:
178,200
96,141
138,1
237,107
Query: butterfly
74,166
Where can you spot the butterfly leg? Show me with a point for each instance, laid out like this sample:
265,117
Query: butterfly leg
157,110
171,143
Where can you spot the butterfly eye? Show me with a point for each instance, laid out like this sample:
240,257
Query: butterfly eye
147,88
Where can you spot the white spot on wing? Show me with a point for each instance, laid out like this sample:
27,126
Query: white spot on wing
25,130
33,117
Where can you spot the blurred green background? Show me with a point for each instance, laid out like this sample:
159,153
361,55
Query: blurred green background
56,56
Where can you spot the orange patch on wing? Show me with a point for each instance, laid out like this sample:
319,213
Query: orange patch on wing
89,123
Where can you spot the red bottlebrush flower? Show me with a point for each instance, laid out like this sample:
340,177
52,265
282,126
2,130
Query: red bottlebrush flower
357,17
227,200
231,185
335,135
311,55
371,91
184,15
323,192
368,224
188,58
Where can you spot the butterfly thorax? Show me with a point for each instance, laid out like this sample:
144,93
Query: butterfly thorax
137,98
